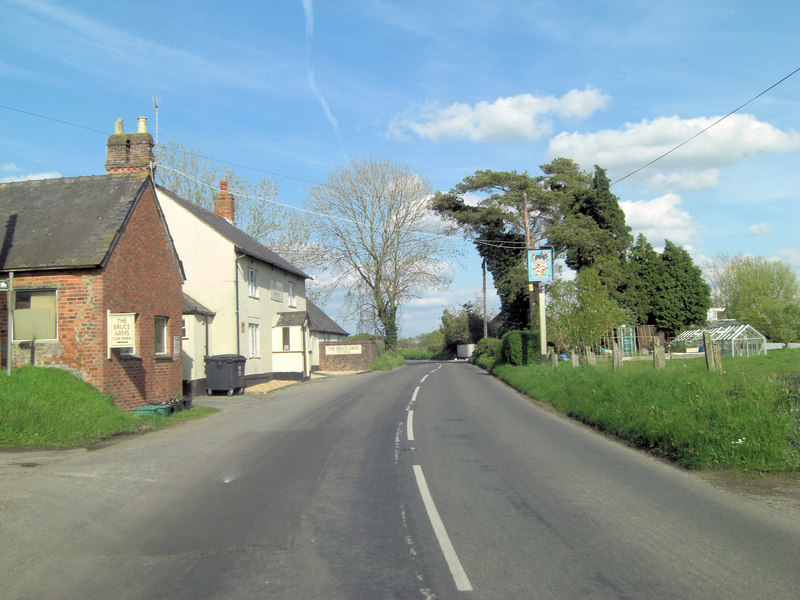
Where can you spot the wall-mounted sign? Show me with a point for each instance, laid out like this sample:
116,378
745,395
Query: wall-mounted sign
121,330
176,347
342,349
540,265
3,285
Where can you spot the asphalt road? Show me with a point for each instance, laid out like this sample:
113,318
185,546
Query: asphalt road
431,481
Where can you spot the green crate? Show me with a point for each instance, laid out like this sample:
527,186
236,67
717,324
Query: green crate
153,409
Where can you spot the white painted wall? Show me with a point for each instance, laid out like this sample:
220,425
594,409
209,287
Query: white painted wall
214,274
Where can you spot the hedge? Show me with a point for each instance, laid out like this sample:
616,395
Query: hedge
521,347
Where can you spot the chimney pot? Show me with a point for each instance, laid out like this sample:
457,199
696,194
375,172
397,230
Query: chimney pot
223,185
142,124
118,126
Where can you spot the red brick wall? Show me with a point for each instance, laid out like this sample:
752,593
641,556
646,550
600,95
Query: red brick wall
347,362
141,276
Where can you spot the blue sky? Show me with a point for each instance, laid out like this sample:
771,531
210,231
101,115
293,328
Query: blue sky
291,90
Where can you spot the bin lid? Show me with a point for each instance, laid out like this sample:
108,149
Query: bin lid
224,357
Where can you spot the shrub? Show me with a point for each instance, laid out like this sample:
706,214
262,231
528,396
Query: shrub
387,361
486,353
416,353
521,347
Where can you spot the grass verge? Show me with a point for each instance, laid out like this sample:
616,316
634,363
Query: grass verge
50,408
388,361
746,418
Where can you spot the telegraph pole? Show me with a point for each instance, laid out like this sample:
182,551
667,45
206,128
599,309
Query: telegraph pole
485,316
528,247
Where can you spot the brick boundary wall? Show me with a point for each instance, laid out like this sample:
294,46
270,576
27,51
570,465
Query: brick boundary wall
362,361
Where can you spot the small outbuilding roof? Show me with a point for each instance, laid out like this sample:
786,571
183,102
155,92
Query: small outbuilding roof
65,223
320,322
193,307
291,319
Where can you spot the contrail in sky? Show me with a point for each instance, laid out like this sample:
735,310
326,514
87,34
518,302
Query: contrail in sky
308,9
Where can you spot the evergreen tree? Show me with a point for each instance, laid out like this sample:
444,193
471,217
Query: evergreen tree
682,296
594,234
497,226
643,276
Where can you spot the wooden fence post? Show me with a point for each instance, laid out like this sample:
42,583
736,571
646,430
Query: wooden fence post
713,360
659,360
552,357
591,359
616,356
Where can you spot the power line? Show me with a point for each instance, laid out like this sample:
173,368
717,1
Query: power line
25,112
735,110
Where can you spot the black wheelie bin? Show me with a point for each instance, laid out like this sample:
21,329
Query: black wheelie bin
225,372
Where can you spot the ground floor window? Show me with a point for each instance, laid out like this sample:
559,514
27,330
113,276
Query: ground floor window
160,335
286,339
254,339
35,315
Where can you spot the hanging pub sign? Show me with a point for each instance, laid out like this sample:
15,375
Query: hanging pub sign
121,331
540,265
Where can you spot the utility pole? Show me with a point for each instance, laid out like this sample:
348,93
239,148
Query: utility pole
485,317
528,246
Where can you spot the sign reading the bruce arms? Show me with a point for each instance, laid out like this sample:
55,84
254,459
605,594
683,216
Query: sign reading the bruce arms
343,349
121,330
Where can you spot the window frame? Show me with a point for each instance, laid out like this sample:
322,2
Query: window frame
287,339
292,296
254,337
48,291
164,334
252,282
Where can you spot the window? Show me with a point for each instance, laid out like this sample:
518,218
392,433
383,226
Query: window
277,290
292,300
184,335
253,330
252,283
286,339
35,315
160,335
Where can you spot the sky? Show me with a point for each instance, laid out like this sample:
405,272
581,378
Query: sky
291,90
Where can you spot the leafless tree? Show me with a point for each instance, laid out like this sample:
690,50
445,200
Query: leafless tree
379,239
195,177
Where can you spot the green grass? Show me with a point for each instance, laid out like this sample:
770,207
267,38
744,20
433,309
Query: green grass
47,407
425,354
388,361
747,417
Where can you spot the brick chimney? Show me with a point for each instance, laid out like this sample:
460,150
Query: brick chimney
224,203
130,152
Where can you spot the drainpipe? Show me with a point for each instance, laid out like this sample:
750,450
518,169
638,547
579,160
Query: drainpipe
236,276
10,326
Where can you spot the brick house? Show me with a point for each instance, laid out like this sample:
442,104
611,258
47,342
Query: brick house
82,252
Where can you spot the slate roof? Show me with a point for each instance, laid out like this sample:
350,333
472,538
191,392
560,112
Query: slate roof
65,223
242,241
193,307
320,322
291,319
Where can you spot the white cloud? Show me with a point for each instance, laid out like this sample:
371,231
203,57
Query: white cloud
790,256
9,168
691,167
524,117
30,176
661,219
760,229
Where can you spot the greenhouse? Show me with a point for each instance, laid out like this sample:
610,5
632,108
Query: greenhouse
731,337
